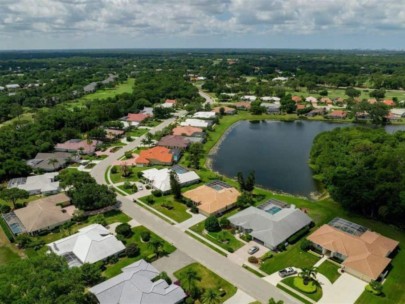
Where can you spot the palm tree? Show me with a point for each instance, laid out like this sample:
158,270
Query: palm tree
210,297
308,274
53,162
189,278
156,246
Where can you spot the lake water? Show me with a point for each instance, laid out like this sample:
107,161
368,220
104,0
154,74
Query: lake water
277,151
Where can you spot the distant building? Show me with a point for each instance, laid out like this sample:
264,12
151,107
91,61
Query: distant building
337,114
12,86
81,146
174,141
243,105
157,156
196,123
136,119
37,184
90,88
204,115
188,131
296,98
52,161
227,110
250,98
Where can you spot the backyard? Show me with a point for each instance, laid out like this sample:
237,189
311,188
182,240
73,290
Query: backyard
145,250
207,280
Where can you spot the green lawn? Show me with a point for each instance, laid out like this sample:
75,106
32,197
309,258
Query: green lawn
208,280
7,254
117,177
178,213
28,116
316,296
292,257
129,190
329,270
21,201
136,132
224,238
145,251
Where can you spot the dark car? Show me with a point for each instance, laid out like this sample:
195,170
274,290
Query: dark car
287,272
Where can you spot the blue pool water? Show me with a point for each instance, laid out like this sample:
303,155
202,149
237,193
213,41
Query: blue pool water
273,210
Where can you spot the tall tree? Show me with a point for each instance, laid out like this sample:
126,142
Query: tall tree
189,279
12,195
175,185
195,154
241,180
250,181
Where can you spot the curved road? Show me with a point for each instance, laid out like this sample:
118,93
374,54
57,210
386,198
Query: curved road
208,98
241,278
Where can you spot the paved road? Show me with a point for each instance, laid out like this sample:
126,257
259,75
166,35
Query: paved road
207,97
241,278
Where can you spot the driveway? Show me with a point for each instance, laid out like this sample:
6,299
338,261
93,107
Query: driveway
195,219
240,297
172,263
241,255
346,289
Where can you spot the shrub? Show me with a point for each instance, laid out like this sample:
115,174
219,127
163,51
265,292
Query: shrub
5,208
165,277
128,154
114,170
129,138
246,237
254,260
295,237
150,200
99,219
211,224
157,193
194,209
127,185
145,236
23,240
230,249
266,256
132,250
224,222
305,245
151,257
139,174
124,229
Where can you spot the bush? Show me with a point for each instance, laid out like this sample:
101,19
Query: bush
139,174
254,260
129,138
150,200
132,250
298,235
151,257
224,223
128,154
246,237
211,224
305,245
230,249
127,185
266,256
99,219
157,193
145,236
114,170
165,277
124,230
23,240
194,209
5,208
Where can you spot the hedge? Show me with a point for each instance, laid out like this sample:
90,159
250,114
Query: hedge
298,235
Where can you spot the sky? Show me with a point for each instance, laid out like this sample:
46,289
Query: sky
303,24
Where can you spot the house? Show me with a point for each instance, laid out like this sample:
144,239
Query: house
91,87
243,105
137,284
227,110
111,78
270,99
37,184
337,114
282,79
160,179
372,100
364,253
174,141
91,244
339,100
300,107
148,111
311,99
204,115
249,98
170,103
326,100
389,102
188,131
52,161
41,215
155,156
198,123
296,98
271,108
314,112
213,198
271,224
81,146
113,133
2,88
136,119
398,112
12,86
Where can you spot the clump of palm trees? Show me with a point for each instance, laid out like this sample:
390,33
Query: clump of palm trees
309,274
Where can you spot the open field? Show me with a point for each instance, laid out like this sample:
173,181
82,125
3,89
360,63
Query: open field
25,116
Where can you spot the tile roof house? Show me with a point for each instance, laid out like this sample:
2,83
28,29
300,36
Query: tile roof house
174,141
91,87
52,161
338,114
196,123
160,179
326,100
364,253
43,214
372,100
187,131
311,99
171,101
113,133
296,98
204,115
227,110
136,285
213,198
243,105
136,119
271,226
91,244
78,146
389,102
37,184
155,156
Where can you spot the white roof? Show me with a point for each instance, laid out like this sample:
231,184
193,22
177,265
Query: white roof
270,98
311,99
249,97
204,115
398,111
273,105
12,86
147,110
91,244
195,123
134,286
160,179
44,183
167,105
280,79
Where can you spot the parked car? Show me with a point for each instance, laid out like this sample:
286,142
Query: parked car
287,272
253,250
140,187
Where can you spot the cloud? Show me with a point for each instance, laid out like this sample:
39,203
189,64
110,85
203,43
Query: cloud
182,18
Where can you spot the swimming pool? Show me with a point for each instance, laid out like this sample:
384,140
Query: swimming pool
16,228
273,210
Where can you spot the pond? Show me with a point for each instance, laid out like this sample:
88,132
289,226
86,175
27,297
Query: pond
277,151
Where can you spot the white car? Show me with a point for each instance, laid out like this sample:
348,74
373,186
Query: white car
253,250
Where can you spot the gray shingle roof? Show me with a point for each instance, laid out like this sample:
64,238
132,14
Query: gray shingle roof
272,229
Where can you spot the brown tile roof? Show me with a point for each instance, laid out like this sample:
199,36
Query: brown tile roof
243,104
366,253
300,107
77,145
372,100
159,154
338,113
389,102
186,131
44,212
227,110
210,201
173,141
172,101
326,100
137,117
112,133
296,98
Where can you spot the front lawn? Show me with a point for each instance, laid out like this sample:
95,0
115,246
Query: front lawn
136,132
292,257
208,280
145,251
7,255
118,178
329,270
223,238
314,292
169,207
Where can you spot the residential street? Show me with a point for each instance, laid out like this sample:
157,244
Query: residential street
241,278
207,97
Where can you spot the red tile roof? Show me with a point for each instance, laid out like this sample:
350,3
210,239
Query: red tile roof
186,131
296,98
137,117
338,113
389,102
158,154
173,101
